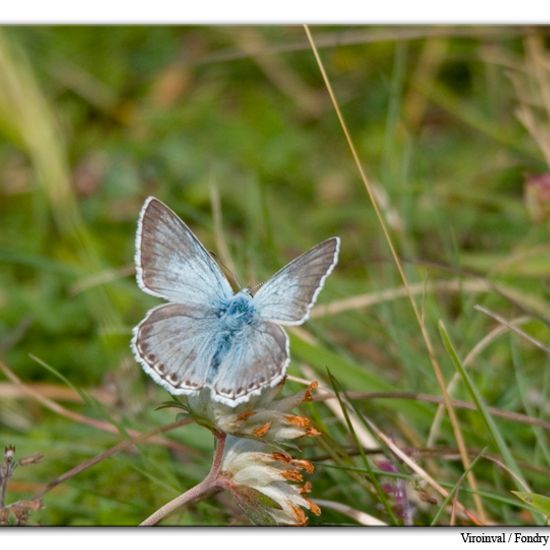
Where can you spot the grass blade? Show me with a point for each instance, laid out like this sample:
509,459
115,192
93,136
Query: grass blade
519,480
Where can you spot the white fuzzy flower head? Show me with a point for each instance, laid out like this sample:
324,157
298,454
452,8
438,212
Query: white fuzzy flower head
266,485
264,417
266,482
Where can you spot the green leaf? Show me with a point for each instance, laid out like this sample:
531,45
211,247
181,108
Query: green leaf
540,502
483,410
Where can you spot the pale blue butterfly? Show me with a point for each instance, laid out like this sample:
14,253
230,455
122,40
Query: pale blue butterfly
208,336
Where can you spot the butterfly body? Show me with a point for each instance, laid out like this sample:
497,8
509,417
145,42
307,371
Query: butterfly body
208,336
237,311
234,316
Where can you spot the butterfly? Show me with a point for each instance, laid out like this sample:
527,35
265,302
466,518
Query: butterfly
207,335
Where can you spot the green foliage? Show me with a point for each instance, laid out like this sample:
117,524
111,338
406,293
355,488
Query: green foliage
540,502
94,119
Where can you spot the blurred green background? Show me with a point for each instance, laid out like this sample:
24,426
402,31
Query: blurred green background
233,128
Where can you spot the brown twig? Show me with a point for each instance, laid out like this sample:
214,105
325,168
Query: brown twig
439,452
364,301
206,485
6,470
123,445
429,398
55,391
363,36
512,327
17,511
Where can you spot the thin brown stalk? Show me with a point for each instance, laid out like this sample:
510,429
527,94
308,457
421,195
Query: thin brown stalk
205,486
426,337
512,327
438,452
363,301
365,36
428,398
475,351
219,237
119,447
54,391
499,463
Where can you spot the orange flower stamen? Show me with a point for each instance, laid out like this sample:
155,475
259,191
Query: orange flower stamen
308,394
292,475
281,457
300,421
245,415
303,465
262,430
313,507
301,518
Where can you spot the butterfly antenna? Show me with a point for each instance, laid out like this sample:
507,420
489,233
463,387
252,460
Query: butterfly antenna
233,280
255,288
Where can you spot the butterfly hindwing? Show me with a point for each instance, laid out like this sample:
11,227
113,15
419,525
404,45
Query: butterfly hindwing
257,359
290,294
171,263
174,344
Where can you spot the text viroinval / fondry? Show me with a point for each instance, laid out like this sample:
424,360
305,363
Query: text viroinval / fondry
514,537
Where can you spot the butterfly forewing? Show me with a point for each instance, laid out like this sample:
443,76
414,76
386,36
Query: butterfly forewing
174,344
258,359
172,264
289,295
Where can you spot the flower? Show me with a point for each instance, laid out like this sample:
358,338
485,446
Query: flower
264,417
266,483
398,490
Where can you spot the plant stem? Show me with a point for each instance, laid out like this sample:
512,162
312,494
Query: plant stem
208,483
3,487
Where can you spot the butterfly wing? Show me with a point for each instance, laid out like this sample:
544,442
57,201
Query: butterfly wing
174,345
256,360
290,294
171,263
